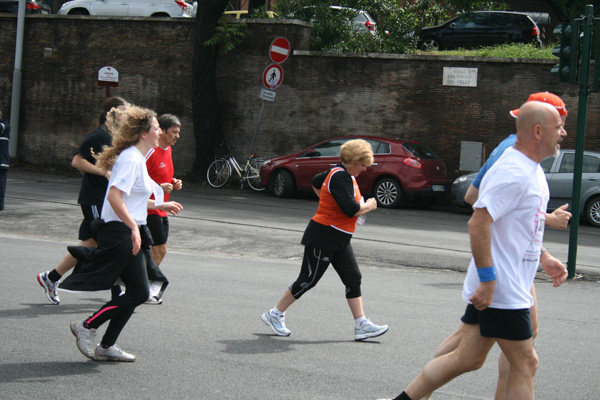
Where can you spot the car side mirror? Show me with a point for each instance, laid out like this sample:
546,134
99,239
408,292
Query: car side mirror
313,153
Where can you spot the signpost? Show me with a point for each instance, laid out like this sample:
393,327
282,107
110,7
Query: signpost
272,76
108,77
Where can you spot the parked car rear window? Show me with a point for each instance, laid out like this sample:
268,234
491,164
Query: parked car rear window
420,150
329,149
591,164
379,147
567,164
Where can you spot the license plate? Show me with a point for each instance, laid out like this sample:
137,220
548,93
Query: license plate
438,188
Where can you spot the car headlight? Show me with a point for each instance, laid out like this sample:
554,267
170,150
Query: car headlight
460,179
267,161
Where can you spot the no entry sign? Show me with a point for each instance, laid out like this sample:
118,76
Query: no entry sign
279,50
272,76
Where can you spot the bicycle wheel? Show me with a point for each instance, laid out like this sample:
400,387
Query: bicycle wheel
218,173
252,174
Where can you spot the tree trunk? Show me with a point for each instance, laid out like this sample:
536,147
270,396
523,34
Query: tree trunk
208,128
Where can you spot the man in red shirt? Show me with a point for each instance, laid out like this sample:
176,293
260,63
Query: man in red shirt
159,162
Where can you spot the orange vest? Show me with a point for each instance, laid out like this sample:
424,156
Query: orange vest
329,213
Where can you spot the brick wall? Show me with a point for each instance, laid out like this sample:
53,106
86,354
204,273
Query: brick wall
322,94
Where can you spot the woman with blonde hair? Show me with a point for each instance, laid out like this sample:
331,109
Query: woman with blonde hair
121,234
326,240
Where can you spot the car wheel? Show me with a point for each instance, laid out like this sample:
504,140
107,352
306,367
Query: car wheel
79,11
430,44
592,211
388,193
283,183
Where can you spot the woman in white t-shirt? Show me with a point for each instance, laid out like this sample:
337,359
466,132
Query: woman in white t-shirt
121,234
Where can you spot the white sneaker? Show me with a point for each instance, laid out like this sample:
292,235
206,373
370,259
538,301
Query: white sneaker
86,338
369,330
113,353
277,324
49,287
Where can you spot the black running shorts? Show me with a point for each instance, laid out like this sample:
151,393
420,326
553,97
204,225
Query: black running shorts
501,324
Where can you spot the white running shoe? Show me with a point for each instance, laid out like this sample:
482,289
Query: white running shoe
277,324
49,287
369,330
86,338
113,353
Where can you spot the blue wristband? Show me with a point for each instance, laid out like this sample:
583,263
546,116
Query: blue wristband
486,274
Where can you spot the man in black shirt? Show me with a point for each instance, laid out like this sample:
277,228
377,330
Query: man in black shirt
92,192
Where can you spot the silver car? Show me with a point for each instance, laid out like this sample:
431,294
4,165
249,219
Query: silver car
362,21
559,174
128,8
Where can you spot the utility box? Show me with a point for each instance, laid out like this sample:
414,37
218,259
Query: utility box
471,156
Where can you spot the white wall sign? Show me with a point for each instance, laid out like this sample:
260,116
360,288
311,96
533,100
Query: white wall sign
456,76
108,74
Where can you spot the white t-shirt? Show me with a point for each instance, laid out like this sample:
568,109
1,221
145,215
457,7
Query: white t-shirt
515,193
129,175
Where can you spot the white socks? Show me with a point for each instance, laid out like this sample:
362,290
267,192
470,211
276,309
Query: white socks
360,321
276,313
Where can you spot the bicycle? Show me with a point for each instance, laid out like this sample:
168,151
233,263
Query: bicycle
220,170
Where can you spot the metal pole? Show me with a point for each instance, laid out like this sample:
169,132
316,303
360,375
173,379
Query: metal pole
15,101
262,107
580,140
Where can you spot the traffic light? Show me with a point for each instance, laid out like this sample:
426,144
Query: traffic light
567,52
596,82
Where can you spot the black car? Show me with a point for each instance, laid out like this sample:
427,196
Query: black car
31,7
480,28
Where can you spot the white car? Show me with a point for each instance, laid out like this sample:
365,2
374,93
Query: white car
128,8
361,21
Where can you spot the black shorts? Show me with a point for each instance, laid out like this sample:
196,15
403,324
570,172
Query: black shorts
159,228
500,324
90,213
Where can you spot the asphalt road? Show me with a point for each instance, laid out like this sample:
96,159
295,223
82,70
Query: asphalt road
232,253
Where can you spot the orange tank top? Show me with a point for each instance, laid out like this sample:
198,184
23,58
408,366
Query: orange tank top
329,213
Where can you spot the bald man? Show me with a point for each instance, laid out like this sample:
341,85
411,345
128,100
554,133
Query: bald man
506,232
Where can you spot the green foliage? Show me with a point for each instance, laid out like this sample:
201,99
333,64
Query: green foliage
332,32
227,35
568,10
518,50
397,27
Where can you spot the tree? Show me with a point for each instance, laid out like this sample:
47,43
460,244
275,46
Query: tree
397,26
567,10
208,128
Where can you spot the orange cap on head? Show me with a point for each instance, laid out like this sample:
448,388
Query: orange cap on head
546,97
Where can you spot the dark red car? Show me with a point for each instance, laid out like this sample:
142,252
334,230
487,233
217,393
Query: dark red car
403,170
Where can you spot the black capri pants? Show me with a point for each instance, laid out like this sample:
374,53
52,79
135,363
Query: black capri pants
315,263
116,237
